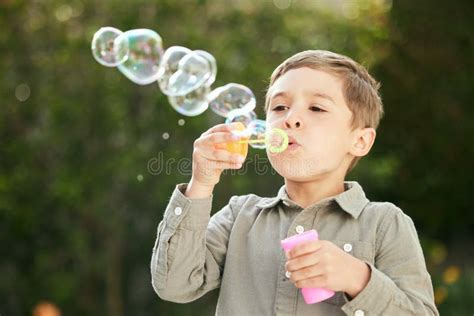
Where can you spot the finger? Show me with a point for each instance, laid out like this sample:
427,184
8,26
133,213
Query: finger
313,282
220,165
302,261
221,128
218,137
304,248
220,146
222,156
306,273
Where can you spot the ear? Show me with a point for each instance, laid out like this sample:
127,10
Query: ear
363,140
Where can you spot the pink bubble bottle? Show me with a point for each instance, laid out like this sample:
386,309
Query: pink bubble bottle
310,295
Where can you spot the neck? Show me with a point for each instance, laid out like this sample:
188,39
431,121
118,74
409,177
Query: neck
311,192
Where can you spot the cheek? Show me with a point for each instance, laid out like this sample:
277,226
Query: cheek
274,120
338,139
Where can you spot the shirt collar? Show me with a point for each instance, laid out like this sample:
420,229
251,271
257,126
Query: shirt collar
352,200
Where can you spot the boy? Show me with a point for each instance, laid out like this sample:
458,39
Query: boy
368,252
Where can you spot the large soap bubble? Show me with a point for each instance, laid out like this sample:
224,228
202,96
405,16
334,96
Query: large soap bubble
193,103
182,70
145,53
232,96
106,50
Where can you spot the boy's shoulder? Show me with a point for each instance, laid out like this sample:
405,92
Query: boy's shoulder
355,195
385,213
378,207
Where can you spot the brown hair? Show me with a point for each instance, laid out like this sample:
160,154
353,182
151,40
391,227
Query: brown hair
360,89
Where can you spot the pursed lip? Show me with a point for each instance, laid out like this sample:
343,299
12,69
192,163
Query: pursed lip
292,141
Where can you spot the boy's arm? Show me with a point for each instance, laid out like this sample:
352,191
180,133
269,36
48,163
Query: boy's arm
190,248
399,283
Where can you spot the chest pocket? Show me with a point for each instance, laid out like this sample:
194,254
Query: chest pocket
362,250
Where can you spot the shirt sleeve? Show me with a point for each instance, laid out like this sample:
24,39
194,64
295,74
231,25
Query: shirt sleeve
189,253
399,283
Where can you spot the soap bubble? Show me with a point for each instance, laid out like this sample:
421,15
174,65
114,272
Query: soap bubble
145,53
257,130
185,76
232,96
169,65
274,139
240,115
182,70
191,104
106,49
193,72
212,64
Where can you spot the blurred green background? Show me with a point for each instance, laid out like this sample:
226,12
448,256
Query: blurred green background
80,199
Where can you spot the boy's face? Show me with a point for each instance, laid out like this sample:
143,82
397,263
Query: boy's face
309,105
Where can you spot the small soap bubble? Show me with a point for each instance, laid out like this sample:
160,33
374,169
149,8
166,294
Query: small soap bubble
145,53
240,115
257,131
169,65
106,49
181,122
140,178
191,104
232,96
22,92
183,71
212,65
260,137
193,72
165,136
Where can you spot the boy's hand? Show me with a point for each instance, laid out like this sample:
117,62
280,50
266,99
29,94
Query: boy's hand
321,264
209,161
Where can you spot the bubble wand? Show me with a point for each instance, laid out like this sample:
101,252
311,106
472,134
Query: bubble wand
276,141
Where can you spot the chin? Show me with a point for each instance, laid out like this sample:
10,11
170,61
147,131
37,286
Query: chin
295,169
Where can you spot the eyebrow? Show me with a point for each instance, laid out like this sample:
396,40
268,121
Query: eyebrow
315,94
280,94
324,96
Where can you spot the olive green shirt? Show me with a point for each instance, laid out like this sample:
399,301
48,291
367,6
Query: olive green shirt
238,250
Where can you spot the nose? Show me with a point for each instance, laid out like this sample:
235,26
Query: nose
293,120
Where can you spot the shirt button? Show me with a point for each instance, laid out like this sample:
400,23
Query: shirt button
299,229
359,312
288,274
347,247
178,211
